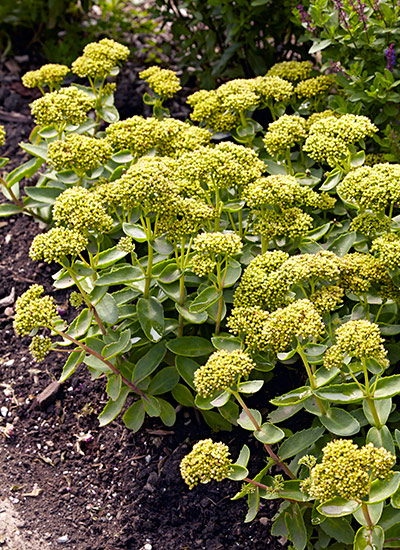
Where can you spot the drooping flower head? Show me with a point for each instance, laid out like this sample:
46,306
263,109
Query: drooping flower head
57,243
34,311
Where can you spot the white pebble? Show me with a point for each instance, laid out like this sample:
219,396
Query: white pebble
4,411
148,547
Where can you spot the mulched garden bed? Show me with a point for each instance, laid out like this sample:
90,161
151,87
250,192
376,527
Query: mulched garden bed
76,485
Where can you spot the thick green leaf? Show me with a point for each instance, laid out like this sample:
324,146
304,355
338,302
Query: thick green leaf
113,408
167,412
253,501
269,434
392,536
342,244
299,441
113,386
151,405
151,318
134,416
383,408
149,362
369,539
338,507
190,346
123,344
183,395
339,529
229,343
193,318
230,411
205,299
238,472
9,209
296,527
119,276
107,309
135,231
73,361
374,510
164,381
244,456
47,195
252,386
293,397
245,422
381,490
39,151
26,170
186,368
170,274
80,325
389,386
110,257
216,421
340,422
381,437
221,399
341,393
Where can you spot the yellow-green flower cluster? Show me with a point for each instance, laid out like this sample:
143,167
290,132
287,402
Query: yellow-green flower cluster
163,82
330,137
220,109
297,320
290,222
311,87
2,135
373,188
327,298
126,244
346,470
223,166
360,271
81,210
50,75
168,137
40,347
221,371
79,153
213,247
284,133
75,299
316,117
99,58
188,216
387,248
374,158
370,224
206,461
33,311
248,324
284,191
57,243
67,105
291,70
149,184
361,339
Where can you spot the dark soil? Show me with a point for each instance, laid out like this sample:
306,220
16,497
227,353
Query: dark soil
117,490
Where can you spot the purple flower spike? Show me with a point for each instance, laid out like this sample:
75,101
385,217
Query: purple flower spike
390,54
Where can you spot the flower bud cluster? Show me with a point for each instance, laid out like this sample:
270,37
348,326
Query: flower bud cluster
327,298
248,323
57,243
211,248
284,133
291,70
126,244
33,311
316,117
387,248
206,461
291,223
189,215
360,339
2,135
99,58
163,82
311,87
50,75
360,271
370,224
374,188
79,153
81,210
75,299
330,137
67,105
346,470
220,109
169,137
40,347
221,371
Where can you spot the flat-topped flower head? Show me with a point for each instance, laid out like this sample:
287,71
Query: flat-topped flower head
297,320
347,470
75,299
360,339
99,58
220,167
164,82
238,95
370,224
312,87
67,105
207,461
34,311
209,110
248,323
387,248
327,298
360,271
149,184
316,117
57,243
40,347
211,248
81,210
272,88
222,371
284,133
190,215
126,244
372,187
79,153
291,70
50,75
2,135
290,222
323,148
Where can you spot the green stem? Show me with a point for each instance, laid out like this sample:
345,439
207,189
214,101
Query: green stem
257,426
217,209
149,260
18,203
264,244
379,312
240,221
311,378
369,400
289,162
367,516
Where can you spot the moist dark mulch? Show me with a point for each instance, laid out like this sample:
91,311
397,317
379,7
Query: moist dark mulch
102,488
